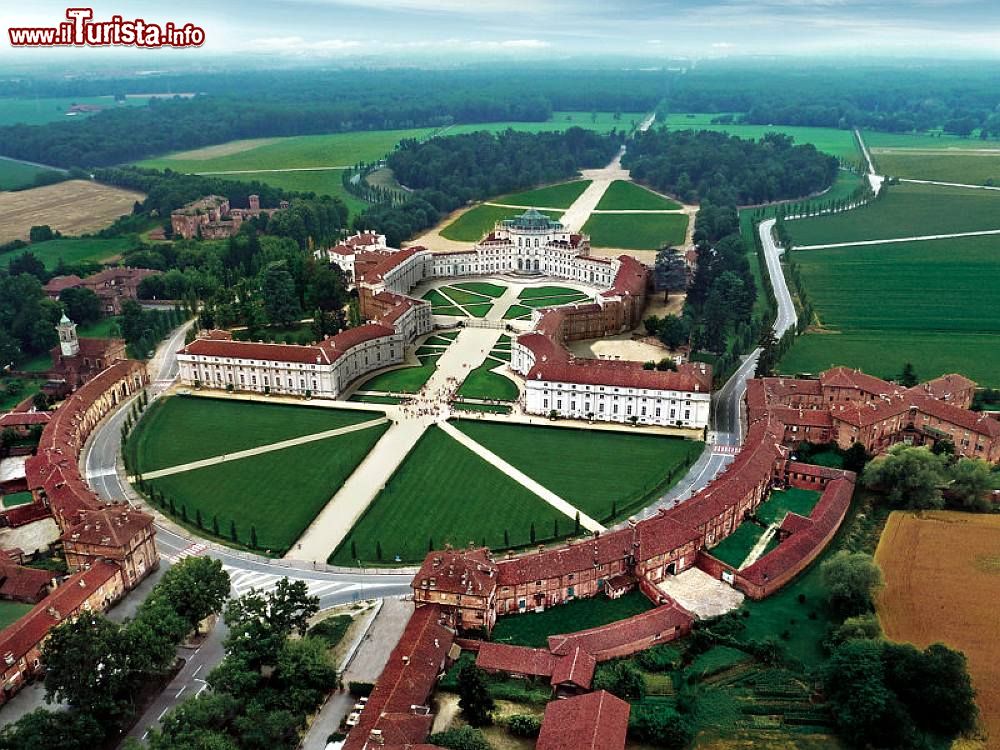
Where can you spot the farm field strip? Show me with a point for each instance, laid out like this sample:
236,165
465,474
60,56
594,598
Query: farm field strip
71,207
954,166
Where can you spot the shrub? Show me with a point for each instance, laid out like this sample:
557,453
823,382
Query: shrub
621,678
524,725
462,738
659,725
660,658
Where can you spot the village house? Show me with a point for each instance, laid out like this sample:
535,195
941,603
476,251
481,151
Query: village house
112,286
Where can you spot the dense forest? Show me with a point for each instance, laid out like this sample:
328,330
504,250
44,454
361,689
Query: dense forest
267,104
957,97
700,165
446,173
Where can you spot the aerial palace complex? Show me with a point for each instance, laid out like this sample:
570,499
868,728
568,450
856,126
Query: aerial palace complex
462,592
555,381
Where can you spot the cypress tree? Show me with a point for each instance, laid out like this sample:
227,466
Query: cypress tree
253,537
232,531
576,523
430,544
215,525
184,513
378,551
532,532
506,538
197,518
555,528
354,550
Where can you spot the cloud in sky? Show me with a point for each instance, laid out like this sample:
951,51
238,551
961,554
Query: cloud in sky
566,27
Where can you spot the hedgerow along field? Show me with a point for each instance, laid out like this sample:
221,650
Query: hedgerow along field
624,195
71,250
443,493
636,231
278,493
607,475
905,210
839,143
71,207
942,582
934,303
164,435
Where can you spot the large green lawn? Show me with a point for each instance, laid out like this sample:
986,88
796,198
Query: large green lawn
443,493
485,384
733,550
278,493
880,139
321,182
16,174
11,612
735,547
73,251
792,500
553,196
636,231
628,195
604,122
951,166
904,211
473,225
405,379
534,292
591,469
534,628
935,303
187,428
840,143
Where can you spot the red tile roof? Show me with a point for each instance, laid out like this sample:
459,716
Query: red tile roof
24,418
336,346
575,668
58,283
583,555
23,584
845,377
605,640
595,721
470,572
256,350
108,526
19,638
501,657
391,261
946,386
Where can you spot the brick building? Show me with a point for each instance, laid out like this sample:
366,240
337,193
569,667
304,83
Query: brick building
212,218
112,285
76,360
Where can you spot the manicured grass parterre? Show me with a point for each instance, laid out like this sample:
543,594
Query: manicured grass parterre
935,303
905,210
485,384
463,297
488,408
448,310
561,195
840,143
595,468
443,493
277,493
623,195
636,231
516,311
72,251
17,498
180,429
535,302
483,288
11,612
534,628
402,380
435,298
376,399
474,224
547,291
478,311
969,168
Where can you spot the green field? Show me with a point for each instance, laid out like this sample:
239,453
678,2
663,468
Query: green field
40,110
934,303
792,500
561,195
840,143
622,195
16,174
474,224
487,385
405,379
595,469
73,251
517,311
880,139
30,386
532,292
487,408
11,612
162,438
604,122
951,166
278,493
735,547
904,211
554,301
17,498
534,628
636,231
483,288
443,493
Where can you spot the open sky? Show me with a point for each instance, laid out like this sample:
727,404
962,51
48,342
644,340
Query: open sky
542,28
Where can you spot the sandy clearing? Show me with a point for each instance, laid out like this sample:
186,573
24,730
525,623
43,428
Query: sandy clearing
622,346
433,240
221,149
72,207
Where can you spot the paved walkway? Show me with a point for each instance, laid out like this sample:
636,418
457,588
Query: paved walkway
758,549
261,449
577,214
521,478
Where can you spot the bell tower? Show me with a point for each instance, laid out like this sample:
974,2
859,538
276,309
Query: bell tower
69,344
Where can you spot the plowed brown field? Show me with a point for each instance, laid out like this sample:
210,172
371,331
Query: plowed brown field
71,207
942,574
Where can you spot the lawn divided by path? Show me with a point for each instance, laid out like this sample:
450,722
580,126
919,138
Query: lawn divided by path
735,547
591,469
840,143
935,303
561,195
534,628
484,288
473,225
547,291
628,195
904,211
636,231
180,429
279,493
443,493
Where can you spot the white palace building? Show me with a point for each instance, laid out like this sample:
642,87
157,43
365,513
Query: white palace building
531,244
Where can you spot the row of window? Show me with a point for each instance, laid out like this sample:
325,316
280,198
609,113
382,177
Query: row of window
614,409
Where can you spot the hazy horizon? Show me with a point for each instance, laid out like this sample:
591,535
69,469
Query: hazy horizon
409,31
